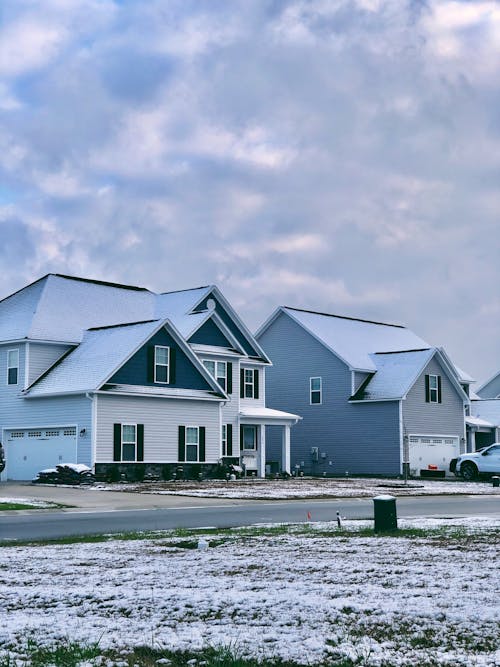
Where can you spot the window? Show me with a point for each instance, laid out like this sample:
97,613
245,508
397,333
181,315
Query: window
218,370
315,390
249,383
12,366
192,442
433,388
129,442
162,355
227,439
249,437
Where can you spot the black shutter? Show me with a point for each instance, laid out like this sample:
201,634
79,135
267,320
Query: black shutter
182,443
427,392
201,445
256,383
117,442
439,389
151,363
229,440
140,442
229,377
241,437
242,383
171,370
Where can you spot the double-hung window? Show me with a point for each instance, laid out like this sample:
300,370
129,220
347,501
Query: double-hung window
129,442
12,366
161,365
315,386
192,443
433,388
218,370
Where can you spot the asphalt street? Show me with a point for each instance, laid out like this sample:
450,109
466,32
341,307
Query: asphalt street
45,524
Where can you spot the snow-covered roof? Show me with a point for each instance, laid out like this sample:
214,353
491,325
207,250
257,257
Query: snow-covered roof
488,409
262,414
477,421
61,308
354,340
99,354
396,374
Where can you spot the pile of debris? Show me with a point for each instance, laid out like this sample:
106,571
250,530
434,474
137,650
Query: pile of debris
66,473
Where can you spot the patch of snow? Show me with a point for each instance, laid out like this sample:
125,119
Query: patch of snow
298,596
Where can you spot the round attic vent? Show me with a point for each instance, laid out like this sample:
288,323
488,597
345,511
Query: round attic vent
211,304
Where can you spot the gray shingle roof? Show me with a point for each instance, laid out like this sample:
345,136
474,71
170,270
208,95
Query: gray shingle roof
396,374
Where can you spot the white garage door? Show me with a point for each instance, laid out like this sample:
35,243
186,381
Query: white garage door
430,452
30,450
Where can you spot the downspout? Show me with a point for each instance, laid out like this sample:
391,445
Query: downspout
93,399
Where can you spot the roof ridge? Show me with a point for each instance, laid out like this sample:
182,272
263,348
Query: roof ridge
99,282
345,317
421,349
122,324
187,289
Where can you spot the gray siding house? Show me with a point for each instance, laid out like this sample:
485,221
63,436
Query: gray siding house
490,388
373,397
131,382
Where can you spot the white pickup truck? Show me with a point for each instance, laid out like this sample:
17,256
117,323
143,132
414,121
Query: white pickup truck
484,462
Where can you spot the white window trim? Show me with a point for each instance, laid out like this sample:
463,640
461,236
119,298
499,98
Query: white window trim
162,347
248,384
223,438
186,444
128,443
320,390
216,374
15,349
433,389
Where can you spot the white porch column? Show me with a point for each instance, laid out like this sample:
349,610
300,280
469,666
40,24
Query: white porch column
285,449
261,462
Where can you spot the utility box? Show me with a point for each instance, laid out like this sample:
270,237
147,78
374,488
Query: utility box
385,515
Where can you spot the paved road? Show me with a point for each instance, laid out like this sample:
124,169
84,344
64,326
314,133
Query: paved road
46,525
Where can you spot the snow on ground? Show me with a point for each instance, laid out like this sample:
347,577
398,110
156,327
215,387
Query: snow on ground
302,596
306,488
34,502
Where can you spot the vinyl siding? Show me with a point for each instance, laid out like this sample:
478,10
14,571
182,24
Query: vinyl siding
161,419
42,356
491,390
445,418
135,370
209,334
357,438
235,330
254,402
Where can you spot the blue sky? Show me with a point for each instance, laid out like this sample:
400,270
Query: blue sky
335,155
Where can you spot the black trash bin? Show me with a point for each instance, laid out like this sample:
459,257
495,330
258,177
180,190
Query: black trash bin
496,481
385,515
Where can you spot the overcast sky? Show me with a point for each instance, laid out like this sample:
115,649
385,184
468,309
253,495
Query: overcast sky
335,155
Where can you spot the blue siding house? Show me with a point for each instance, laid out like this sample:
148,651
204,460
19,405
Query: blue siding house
374,398
131,382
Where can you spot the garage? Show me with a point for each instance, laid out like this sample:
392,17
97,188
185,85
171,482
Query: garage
430,455
30,450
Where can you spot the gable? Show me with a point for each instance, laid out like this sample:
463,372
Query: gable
221,311
448,393
491,389
136,371
210,334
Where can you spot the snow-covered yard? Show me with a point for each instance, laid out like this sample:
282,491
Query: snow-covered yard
302,595
306,488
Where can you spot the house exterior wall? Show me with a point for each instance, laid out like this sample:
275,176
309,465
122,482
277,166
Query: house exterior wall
357,438
161,418
490,390
42,356
210,334
445,418
135,370
221,312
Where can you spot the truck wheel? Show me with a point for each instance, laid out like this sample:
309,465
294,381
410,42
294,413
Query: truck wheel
468,471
